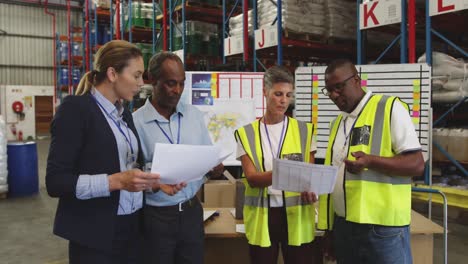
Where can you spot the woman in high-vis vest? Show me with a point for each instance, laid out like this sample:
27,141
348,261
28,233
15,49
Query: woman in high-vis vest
275,218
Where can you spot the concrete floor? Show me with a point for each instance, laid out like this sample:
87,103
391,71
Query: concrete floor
26,229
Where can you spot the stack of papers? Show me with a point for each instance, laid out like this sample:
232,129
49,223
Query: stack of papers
296,176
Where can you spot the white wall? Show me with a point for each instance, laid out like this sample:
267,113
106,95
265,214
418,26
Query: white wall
26,95
27,42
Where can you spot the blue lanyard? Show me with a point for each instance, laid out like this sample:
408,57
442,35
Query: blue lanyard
269,140
165,134
117,124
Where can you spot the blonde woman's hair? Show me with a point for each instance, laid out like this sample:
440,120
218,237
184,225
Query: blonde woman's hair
115,54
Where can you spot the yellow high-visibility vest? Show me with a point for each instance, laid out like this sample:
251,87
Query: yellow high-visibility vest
371,197
300,216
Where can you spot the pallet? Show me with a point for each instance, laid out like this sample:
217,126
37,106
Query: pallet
340,41
289,34
201,4
3,196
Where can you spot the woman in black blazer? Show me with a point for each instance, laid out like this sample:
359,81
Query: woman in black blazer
94,158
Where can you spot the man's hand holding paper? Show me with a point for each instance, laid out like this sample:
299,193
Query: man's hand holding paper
177,163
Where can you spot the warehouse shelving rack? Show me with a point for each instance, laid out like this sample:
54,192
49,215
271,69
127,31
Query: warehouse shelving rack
429,32
70,61
287,46
186,10
405,37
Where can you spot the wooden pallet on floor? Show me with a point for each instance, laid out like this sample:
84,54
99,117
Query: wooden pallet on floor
3,196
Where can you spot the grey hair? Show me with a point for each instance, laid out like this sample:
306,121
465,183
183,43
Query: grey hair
156,62
277,74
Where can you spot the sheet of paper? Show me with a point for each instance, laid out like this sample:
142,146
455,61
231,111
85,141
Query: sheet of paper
296,176
178,163
233,212
240,228
207,214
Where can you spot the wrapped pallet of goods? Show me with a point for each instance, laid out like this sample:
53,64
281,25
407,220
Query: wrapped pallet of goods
449,78
299,16
236,24
201,38
3,158
104,4
341,19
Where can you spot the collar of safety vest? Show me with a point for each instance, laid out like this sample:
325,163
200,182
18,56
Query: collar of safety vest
359,107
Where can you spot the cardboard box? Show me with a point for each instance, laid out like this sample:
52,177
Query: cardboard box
422,238
220,193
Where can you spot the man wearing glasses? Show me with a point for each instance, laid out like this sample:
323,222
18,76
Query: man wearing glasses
375,146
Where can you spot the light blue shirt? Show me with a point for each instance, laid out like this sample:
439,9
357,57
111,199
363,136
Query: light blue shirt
192,131
94,186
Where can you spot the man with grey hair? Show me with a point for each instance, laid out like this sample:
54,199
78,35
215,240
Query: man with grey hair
174,231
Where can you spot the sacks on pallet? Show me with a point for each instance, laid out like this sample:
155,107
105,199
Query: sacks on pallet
450,78
236,24
341,19
300,16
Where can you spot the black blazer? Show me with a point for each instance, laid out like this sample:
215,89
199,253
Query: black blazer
83,143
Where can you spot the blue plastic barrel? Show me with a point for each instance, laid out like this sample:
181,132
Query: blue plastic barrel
23,178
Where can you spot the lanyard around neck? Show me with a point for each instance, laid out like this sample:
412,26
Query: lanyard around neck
117,124
167,136
281,138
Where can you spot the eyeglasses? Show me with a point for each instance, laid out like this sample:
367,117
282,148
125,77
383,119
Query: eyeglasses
337,87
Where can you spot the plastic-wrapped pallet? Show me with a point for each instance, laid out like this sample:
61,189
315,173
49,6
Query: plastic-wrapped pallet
450,78
105,4
236,24
300,16
3,157
341,19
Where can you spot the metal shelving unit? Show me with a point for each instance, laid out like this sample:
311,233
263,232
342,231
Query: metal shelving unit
287,47
405,33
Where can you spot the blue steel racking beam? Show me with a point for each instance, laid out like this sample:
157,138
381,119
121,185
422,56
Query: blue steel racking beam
279,24
225,22
255,27
429,32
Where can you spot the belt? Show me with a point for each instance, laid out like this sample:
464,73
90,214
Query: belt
180,207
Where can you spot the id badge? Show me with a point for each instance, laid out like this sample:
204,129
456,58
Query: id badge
131,161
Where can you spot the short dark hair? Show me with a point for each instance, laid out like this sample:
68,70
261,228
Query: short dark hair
338,63
156,62
277,74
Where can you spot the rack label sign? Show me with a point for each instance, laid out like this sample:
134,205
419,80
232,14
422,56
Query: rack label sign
438,7
266,37
379,13
233,45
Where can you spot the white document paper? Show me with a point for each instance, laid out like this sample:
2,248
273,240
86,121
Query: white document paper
207,214
240,228
296,176
178,163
